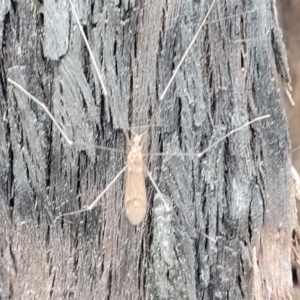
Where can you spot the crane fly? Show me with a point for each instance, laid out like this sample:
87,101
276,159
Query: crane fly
135,189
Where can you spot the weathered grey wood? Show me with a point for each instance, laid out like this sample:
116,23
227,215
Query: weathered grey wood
238,194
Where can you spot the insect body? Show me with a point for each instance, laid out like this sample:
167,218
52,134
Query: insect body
135,192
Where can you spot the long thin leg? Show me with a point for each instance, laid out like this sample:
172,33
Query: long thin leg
44,107
186,52
212,145
110,103
162,96
168,207
232,132
91,206
115,113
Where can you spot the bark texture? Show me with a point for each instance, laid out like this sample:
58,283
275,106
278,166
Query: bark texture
238,194
289,20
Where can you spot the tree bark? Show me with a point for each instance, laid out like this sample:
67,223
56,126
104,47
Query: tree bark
288,12
228,232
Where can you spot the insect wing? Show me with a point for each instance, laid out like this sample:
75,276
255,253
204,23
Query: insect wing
135,195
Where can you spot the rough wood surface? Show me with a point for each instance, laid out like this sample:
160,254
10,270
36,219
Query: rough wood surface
288,12
238,194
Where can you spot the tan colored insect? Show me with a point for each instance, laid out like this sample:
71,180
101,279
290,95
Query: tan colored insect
135,190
